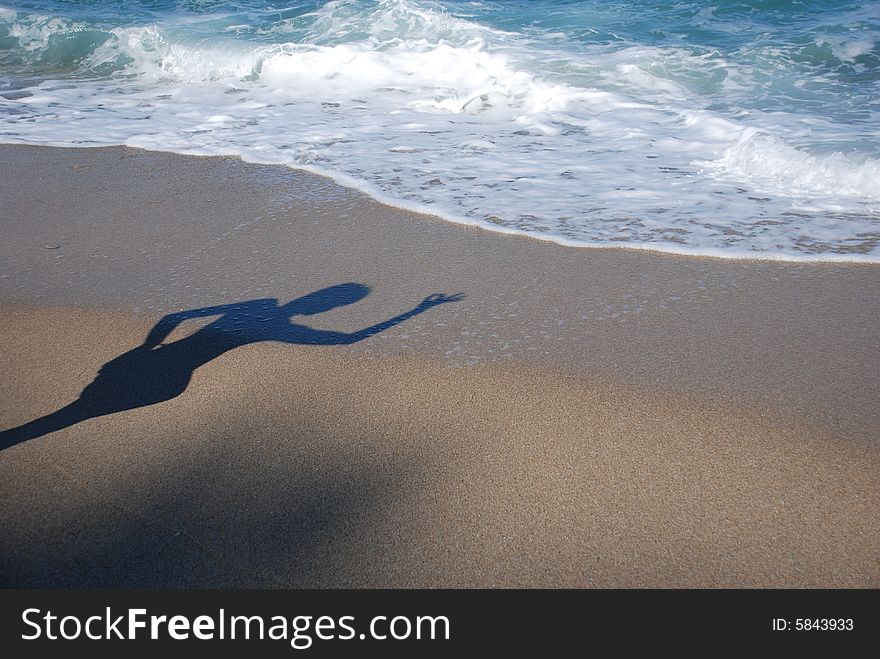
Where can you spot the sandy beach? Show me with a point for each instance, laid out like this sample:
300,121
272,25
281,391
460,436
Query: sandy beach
576,418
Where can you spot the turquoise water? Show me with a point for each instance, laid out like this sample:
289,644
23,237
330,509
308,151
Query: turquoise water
721,128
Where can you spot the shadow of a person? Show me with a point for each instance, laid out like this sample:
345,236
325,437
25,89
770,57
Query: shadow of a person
155,371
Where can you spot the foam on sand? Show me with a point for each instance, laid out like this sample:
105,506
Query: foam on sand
570,134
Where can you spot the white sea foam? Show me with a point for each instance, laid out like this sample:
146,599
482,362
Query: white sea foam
773,167
848,49
591,145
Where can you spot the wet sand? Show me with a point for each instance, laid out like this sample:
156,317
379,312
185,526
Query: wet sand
580,418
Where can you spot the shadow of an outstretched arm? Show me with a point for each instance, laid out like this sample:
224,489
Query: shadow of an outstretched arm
302,334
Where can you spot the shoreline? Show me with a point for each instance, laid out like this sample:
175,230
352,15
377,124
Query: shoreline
581,418
423,211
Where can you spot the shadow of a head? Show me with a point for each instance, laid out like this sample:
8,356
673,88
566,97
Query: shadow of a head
326,299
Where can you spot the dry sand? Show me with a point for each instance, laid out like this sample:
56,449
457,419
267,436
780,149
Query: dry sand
581,418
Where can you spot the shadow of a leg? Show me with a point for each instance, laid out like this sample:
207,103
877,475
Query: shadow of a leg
58,420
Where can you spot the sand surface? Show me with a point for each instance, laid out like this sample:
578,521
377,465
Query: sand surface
580,418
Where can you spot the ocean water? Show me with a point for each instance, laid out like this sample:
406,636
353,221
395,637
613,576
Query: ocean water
725,127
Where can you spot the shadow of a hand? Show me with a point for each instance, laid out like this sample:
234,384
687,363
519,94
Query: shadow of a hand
440,298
